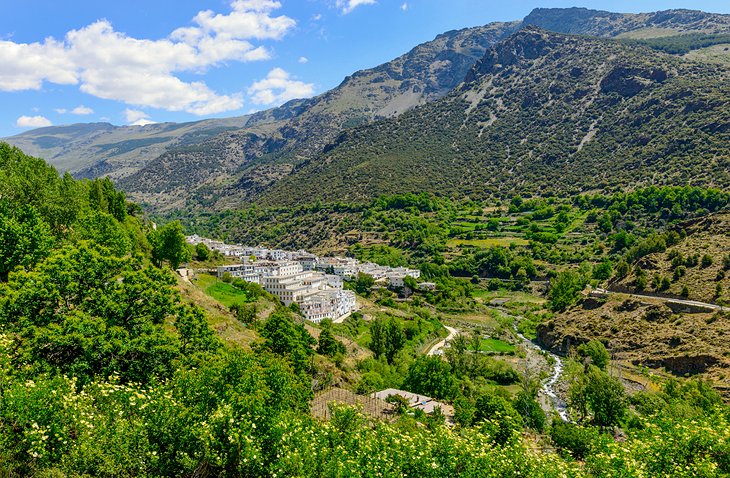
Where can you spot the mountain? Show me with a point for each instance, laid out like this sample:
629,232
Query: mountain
231,166
541,112
251,155
102,149
582,21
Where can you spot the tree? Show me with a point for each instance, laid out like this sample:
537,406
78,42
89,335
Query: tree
603,271
284,338
706,261
86,313
431,376
597,352
410,283
168,243
531,411
386,338
363,283
327,344
245,313
605,397
564,290
622,269
105,230
202,253
491,406
25,238
195,334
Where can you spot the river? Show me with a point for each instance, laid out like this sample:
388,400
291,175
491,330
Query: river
549,385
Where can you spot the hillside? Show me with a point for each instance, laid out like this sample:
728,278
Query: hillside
645,332
583,21
225,163
102,149
695,267
232,166
541,112
236,168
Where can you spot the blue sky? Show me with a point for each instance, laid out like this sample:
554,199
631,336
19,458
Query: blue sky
138,61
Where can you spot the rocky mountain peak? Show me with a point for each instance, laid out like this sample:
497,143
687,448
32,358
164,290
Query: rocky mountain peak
528,43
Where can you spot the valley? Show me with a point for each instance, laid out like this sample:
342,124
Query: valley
505,252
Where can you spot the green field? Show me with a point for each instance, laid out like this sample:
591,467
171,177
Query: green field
224,293
491,345
488,242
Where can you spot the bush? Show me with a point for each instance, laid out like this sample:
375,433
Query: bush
579,441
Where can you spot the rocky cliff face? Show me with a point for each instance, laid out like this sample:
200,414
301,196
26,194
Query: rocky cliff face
583,21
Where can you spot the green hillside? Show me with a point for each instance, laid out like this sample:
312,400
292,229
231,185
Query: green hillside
542,113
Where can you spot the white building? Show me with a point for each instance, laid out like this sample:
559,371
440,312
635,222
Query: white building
328,304
397,275
246,271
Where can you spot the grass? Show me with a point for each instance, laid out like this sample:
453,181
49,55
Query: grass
491,345
512,296
488,242
224,293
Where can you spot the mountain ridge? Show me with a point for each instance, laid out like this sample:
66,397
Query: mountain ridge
238,165
537,115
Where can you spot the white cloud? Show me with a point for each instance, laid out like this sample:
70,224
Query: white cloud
60,111
26,65
142,72
137,117
303,60
278,87
82,110
32,122
317,17
346,6
404,6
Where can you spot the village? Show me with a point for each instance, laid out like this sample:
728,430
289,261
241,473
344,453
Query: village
315,284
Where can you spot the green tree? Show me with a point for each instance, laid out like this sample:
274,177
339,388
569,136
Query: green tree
622,269
168,243
386,338
327,343
25,238
565,289
491,406
202,253
597,352
430,375
603,271
86,313
363,284
284,338
105,230
245,313
605,397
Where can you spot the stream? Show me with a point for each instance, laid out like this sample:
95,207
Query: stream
549,384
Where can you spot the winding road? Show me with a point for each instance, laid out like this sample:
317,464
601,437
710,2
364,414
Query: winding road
437,349
693,303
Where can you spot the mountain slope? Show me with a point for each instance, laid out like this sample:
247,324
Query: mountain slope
248,160
224,163
231,169
102,149
582,21
541,112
